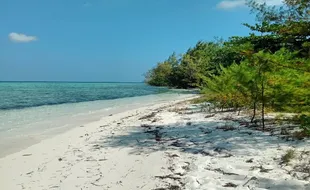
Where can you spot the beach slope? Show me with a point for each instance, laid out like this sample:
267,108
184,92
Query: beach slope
172,145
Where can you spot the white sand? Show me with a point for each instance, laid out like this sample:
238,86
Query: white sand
179,150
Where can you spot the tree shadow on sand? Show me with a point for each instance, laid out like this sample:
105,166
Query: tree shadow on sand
221,139
205,138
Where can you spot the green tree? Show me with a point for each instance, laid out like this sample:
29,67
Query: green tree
159,76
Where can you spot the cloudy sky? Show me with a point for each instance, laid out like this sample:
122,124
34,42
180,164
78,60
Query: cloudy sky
107,40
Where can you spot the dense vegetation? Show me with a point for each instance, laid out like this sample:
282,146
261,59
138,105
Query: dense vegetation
269,68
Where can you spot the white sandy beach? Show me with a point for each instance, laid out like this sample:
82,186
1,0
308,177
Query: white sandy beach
166,146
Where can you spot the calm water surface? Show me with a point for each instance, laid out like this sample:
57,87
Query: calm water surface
33,111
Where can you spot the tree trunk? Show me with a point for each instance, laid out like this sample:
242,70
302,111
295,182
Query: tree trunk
254,111
263,106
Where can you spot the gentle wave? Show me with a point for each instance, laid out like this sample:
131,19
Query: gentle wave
19,95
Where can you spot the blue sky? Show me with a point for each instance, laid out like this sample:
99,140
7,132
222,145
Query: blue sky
106,40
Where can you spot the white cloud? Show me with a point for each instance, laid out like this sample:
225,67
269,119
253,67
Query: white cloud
21,38
231,4
273,2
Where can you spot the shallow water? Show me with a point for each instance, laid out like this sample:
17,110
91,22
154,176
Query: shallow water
20,128
17,95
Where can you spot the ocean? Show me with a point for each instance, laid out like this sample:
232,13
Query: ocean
33,111
17,95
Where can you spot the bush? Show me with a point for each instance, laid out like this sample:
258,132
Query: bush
288,156
305,124
199,100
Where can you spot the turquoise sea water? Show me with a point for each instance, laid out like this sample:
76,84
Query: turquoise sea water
33,111
16,95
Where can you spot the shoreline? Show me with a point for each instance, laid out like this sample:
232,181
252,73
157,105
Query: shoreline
171,145
16,168
50,121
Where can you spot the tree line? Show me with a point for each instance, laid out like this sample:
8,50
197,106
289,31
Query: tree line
268,69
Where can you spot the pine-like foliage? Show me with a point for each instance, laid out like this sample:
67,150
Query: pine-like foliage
270,68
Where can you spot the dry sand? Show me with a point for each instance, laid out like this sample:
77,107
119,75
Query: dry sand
165,146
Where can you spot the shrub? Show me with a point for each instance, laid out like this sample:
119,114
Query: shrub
305,124
288,156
